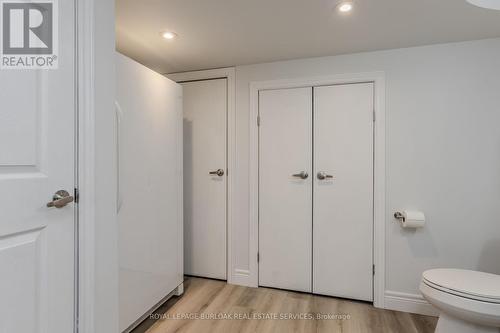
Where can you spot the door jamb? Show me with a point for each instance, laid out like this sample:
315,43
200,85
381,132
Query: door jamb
229,74
85,146
378,79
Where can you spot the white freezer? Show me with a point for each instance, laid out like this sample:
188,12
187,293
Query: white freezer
149,145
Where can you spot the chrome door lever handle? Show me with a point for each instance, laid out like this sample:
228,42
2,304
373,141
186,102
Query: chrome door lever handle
323,175
218,172
301,175
60,199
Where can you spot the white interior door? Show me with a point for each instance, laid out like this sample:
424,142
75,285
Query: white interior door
285,190
205,172
37,139
343,203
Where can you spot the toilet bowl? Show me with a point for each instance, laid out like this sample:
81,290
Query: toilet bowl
469,301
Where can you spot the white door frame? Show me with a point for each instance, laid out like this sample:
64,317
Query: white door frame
229,74
86,167
378,78
90,54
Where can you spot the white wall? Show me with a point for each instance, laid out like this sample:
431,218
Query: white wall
443,153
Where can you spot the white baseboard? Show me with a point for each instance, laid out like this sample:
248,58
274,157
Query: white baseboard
393,300
412,303
241,277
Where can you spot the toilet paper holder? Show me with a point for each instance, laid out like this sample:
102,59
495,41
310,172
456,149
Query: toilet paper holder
399,216
410,219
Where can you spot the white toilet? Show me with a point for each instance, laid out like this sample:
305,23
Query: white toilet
469,301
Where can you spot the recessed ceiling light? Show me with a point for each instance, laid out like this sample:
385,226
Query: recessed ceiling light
488,4
345,6
168,35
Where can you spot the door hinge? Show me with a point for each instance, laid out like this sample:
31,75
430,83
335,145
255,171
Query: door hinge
373,267
76,195
258,256
374,115
258,120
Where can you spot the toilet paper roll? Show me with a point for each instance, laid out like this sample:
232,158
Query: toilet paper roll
413,219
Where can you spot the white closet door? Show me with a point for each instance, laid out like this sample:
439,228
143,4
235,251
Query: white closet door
205,110
285,200
343,204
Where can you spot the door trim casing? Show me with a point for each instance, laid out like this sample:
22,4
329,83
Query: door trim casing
97,250
232,274
85,40
379,196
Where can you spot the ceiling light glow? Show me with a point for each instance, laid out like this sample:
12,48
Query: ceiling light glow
345,7
169,35
488,4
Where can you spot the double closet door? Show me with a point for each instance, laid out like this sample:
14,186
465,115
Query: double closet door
316,190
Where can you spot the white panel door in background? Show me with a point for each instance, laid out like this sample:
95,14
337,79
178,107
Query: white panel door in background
205,172
285,190
37,159
343,191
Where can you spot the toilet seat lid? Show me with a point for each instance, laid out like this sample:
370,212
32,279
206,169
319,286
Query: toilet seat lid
472,284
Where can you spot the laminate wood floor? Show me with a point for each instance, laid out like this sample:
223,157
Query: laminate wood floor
215,306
